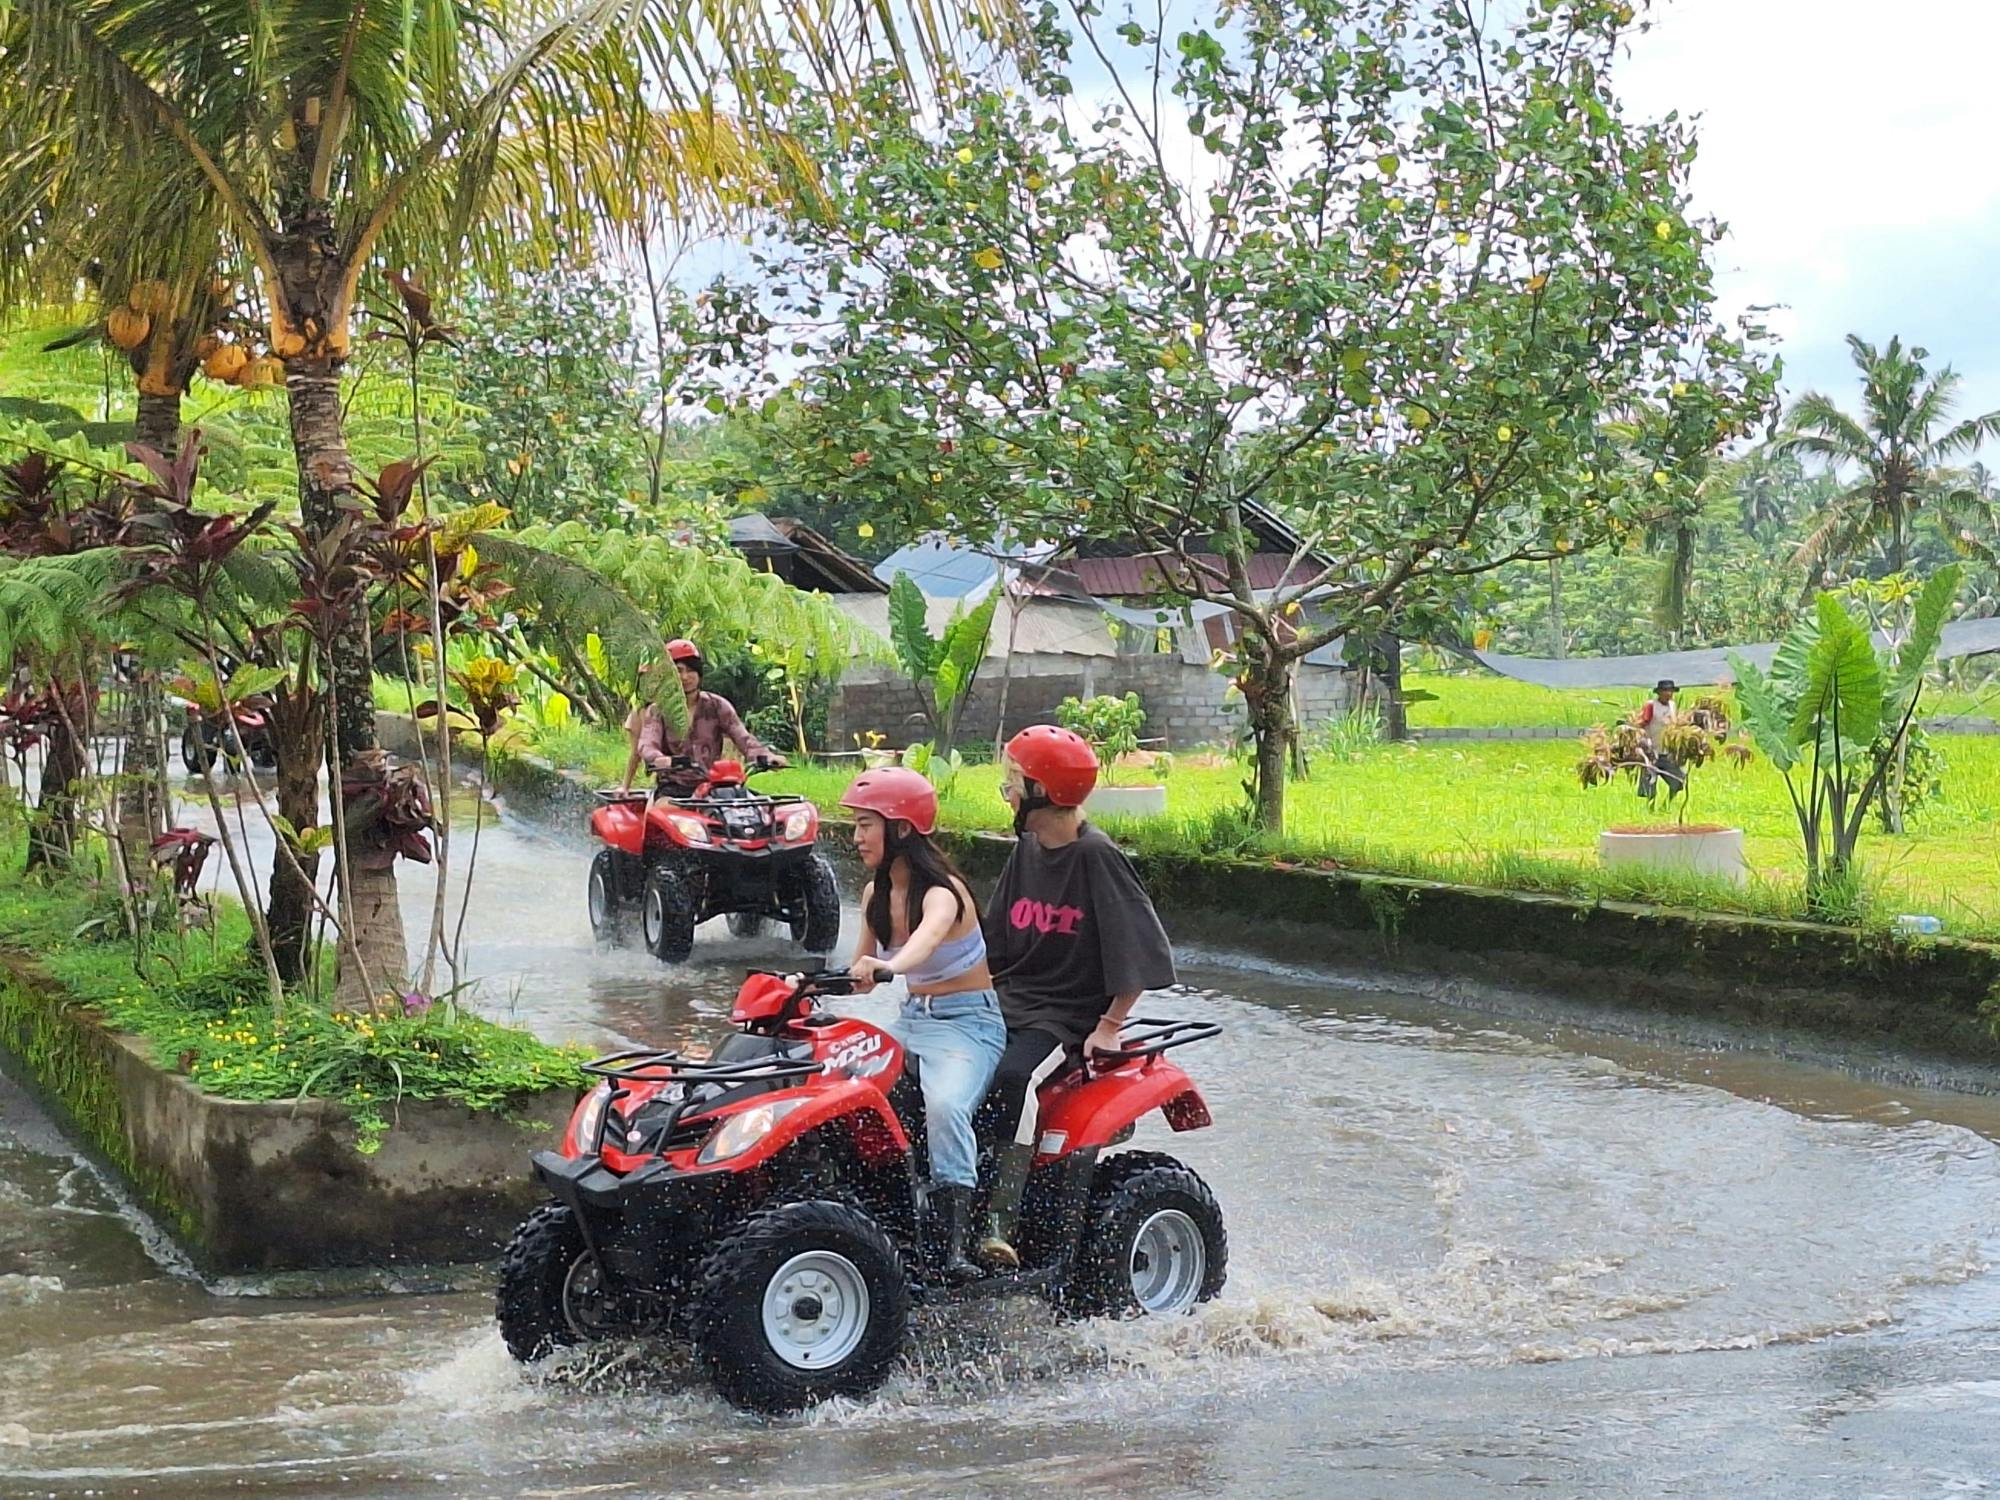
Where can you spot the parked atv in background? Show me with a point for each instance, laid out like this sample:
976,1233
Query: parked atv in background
767,1203
705,845
208,736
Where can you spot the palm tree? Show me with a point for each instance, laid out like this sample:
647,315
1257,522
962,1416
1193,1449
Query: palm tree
1895,461
335,134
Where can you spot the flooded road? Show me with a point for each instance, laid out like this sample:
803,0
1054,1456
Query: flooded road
1469,1256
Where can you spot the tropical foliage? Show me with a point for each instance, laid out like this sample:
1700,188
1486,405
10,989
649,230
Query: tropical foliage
1898,464
1833,715
940,669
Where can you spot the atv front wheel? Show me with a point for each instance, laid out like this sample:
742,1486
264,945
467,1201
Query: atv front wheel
551,1293
667,915
816,922
1153,1241
610,912
800,1302
745,924
196,752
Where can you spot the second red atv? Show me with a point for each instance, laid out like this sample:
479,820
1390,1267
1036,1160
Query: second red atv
768,1203
703,845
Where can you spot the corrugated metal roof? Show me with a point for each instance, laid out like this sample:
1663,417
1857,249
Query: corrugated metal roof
1137,577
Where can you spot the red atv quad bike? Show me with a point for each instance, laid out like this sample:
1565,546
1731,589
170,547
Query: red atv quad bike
767,1203
705,845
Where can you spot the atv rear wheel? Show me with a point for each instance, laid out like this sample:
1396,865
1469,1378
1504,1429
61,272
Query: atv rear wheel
667,915
800,1302
551,1294
745,924
816,923
1153,1241
610,912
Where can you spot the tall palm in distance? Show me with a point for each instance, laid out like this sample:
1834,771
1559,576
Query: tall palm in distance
1898,463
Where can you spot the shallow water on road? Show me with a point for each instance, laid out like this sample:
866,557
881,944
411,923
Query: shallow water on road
1468,1255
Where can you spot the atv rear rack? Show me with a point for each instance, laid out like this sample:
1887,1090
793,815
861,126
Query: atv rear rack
1149,1036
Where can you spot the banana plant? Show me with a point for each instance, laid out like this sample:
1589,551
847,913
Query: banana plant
941,669
1833,714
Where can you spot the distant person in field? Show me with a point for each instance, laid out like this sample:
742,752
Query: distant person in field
1661,769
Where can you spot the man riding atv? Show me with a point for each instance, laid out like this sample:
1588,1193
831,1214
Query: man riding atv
712,718
1073,939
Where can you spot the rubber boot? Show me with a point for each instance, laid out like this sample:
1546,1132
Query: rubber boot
952,1205
1003,1209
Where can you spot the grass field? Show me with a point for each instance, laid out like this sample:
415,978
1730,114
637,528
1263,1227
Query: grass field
1483,701
1512,814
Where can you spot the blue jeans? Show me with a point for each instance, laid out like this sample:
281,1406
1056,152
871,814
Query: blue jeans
957,1041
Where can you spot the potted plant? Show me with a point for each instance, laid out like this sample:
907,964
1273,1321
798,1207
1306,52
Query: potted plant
1112,726
1689,740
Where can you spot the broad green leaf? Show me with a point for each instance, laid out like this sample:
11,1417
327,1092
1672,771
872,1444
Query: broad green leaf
1914,657
248,681
1841,705
909,632
964,647
1769,725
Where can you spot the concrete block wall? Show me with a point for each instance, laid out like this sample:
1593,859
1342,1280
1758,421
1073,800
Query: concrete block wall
1187,704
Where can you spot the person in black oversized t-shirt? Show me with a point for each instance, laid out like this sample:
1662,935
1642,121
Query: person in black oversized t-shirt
1072,938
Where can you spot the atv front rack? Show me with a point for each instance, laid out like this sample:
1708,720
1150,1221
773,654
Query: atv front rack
649,1065
1149,1036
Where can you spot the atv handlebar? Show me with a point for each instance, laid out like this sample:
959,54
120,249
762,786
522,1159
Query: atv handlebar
1149,1036
819,982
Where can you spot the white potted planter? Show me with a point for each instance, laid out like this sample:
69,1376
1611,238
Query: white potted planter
1127,802
1688,848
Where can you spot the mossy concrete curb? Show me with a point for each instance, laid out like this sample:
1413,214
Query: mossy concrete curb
1924,998
251,1186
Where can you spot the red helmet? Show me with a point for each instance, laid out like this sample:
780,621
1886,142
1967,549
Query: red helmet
895,793
1060,759
684,651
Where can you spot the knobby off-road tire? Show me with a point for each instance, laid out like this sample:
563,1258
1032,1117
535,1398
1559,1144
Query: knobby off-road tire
800,1302
1153,1241
817,926
610,909
539,1264
667,915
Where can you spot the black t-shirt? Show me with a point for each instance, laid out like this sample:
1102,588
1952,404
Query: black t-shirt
1069,928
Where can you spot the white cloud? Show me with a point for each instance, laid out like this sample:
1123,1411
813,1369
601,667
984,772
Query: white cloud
1841,143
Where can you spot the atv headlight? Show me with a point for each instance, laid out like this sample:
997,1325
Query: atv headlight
797,824
689,827
583,1130
740,1132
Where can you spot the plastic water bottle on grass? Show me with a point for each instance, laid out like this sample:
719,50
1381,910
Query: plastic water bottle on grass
1910,923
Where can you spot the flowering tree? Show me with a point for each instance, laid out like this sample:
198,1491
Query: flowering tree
1392,272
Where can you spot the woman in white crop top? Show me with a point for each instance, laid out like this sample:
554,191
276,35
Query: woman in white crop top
921,923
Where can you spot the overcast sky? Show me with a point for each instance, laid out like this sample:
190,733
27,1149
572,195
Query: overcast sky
1849,149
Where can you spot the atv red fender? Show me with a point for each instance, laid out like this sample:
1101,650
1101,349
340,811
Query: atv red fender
622,825
1086,1110
856,1103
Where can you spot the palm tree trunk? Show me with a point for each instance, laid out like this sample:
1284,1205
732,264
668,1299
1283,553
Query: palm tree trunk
159,423
1558,631
141,812
326,479
298,732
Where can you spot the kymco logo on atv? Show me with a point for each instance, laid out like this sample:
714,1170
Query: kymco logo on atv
857,1059
1043,917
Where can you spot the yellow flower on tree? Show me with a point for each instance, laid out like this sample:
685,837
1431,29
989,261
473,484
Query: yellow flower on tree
987,259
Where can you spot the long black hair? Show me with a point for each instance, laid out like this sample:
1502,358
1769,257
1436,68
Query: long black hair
929,866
